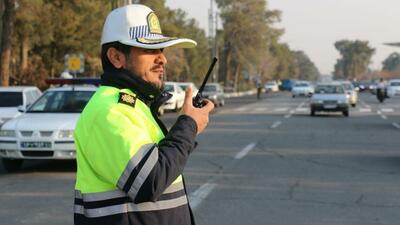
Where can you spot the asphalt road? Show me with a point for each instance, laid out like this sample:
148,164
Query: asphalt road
259,162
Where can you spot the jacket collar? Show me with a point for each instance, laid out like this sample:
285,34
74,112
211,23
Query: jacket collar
123,79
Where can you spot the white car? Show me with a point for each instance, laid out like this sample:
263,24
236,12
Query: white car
14,98
45,130
393,87
351,93
271,86
178,96
185,85
302,89
330,97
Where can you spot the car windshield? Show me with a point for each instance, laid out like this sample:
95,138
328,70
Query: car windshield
184,86
329,89
209,88
397,83
62,102
169,88
10,99
301,85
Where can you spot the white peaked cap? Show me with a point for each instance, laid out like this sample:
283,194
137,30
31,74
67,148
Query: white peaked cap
137,25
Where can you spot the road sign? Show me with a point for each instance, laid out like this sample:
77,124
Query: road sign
74,63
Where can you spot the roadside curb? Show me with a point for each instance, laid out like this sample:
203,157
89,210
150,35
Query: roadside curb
238,94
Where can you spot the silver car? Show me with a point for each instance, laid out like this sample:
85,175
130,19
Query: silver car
330,97
215,93
302,88
351,92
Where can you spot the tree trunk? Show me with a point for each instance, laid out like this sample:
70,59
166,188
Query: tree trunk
228,66
8,26
237,73
24,54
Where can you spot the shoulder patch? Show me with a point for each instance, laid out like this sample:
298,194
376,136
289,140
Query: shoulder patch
127,99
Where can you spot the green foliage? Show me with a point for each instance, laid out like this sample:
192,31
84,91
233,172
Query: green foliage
248,44
304,68
46,30
356,56
284,68
392,62
247,34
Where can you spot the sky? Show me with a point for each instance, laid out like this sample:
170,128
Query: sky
313,26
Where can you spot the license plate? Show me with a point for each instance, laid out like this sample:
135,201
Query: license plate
330,106
35,144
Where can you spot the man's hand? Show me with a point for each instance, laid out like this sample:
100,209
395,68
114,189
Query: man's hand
199,115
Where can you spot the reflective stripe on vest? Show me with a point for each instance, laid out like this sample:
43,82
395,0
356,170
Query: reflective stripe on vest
144,171
174,196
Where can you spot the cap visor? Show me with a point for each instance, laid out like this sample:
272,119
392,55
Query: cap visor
161,42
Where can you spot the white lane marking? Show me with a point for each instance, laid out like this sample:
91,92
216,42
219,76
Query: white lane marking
240,109
261,109
365,110
301,105
396,125
292,111
384,117
301,109
379,112
245,150
387,110
196,197
276,124
280,109
288,116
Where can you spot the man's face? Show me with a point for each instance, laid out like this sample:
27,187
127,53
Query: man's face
149,64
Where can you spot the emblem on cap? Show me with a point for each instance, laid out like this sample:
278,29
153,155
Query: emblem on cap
154,24
127,99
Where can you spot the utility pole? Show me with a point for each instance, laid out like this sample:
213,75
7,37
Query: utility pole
212,36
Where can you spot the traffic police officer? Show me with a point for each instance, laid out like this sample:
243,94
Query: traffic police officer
129,164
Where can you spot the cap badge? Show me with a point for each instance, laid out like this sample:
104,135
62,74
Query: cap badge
154,24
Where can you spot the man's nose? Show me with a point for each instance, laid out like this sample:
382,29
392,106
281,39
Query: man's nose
161,59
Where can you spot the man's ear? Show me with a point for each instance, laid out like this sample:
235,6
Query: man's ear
116,58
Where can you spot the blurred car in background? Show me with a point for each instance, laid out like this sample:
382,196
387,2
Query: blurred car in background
271,86
302,88
393,88
178,96
365,85
215,93
287,85
185,85
330,97
45,130
352,94
14,98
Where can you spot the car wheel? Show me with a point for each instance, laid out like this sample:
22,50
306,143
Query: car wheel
160,111
346,113
353,105
312,112
222,103
12,165
176,109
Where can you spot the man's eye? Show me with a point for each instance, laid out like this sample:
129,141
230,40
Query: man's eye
153,51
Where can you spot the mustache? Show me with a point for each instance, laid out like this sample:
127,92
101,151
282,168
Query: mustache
157,67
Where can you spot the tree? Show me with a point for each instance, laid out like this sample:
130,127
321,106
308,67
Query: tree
392,62
304,67
8,28
246,35
284,61
356,56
